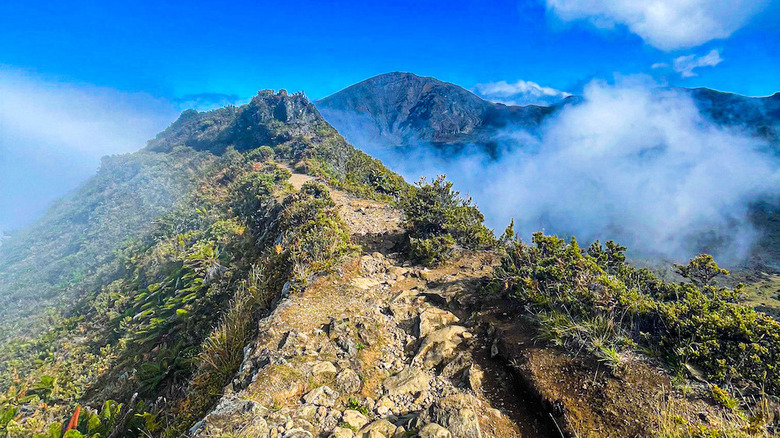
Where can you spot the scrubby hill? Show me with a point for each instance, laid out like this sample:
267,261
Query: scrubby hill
43,267
301,289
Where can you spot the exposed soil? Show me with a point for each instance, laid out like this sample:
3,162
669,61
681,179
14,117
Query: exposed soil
527,389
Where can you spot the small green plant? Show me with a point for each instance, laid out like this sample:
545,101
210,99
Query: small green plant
355,405
723,397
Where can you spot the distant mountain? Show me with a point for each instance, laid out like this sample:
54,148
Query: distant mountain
758,116
402,109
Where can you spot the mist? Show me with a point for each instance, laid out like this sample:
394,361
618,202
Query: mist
633,162
53,134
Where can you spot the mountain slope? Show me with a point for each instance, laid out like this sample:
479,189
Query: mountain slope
301,289
81,232
758,116
403,109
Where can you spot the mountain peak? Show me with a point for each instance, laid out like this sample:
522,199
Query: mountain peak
269,118
406,109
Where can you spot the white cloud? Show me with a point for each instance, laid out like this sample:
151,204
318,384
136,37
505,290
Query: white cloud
686,64
631,163
53,133
665,24
520,93
659,65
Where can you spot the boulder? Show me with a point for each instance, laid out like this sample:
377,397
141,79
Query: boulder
382,428
322,396
432,319
342,432
354,419
297,433
474,377
433,430
439,345
456,413
323,367
410,380
348,381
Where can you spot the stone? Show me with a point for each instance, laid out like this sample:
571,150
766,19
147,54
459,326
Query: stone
257,427
231,407
348,381
474,377
338,327
342,432
384,406
355,419
367,333
347,344
322,396
293,344
456,414
432,319
307,412
365,283
438,346
323,367
410,380
297,433
382,428
433,430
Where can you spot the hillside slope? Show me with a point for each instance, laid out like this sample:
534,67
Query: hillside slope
42,266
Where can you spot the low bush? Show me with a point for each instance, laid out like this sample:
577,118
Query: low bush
438,220
593,301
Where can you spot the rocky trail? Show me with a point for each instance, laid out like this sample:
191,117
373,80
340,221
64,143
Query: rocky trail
380,348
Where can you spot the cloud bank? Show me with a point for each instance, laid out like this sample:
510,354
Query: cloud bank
520,93
665,24
52,135
631,163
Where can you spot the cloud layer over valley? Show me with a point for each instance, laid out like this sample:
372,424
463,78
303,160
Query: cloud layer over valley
632,162
53,134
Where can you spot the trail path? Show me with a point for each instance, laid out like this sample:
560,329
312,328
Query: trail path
382,335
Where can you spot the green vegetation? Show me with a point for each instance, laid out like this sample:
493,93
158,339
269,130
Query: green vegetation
438,220
593,301
158,321
61,255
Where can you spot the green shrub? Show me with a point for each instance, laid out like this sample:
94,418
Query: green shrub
437,219
433,250
593,300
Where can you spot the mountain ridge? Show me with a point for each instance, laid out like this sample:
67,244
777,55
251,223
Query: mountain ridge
401,109
405,108
299,288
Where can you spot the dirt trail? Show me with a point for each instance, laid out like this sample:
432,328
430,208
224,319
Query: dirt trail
378,317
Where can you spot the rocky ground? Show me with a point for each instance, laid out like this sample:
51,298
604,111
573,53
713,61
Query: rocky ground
373,350
381,348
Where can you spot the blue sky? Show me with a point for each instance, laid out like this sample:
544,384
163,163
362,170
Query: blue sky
96,77
171,49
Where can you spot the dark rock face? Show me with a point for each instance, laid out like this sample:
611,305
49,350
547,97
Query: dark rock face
404,109
245,127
